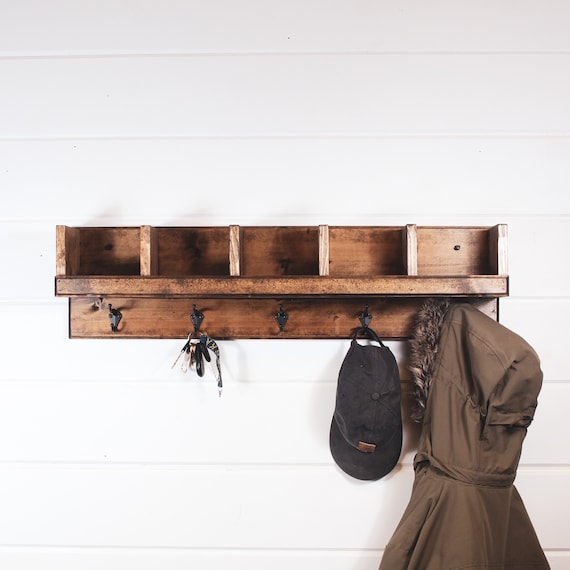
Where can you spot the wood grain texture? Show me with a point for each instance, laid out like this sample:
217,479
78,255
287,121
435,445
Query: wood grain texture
324,250
498,250
149,251
242,318
67,250
235,251
296,286
410,249
319,276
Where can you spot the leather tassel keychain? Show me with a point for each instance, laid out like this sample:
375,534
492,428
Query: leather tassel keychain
195,352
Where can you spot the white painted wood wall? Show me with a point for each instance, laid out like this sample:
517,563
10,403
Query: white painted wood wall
173,112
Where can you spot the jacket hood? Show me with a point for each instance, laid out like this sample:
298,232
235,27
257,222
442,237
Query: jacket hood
517,371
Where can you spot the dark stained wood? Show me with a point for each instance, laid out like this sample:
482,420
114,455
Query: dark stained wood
453,251
366,251
410,249
498,252
280,251
67,250
245,318
193,251
149,251
323,276
395,286
109,251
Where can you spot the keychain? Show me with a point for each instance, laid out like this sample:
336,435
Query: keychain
193,354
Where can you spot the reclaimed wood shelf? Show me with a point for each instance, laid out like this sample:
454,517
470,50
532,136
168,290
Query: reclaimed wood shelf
324,278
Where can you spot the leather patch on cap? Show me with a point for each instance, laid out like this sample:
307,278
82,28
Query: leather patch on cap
366,447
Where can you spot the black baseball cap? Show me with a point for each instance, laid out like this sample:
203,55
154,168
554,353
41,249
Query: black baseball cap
366,429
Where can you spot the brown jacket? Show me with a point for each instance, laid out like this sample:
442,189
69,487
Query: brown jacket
464,512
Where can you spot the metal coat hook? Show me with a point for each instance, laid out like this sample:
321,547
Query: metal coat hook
196,317
365,317
281,317
115,316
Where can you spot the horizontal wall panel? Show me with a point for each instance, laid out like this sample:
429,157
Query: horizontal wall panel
154,423
183,423
226,507
58,558
169,26
229,507
174,423
316,94
61,558
213,179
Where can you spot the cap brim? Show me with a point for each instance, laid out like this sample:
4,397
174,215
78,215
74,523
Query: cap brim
365,466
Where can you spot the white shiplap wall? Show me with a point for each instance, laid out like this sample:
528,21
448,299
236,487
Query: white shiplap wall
179,112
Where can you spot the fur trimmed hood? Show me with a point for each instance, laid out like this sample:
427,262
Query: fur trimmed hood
424,347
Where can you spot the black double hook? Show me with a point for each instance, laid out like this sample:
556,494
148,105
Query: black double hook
281,317
365,317
115,317
196,317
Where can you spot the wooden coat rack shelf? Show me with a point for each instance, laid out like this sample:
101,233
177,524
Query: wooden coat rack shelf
320,279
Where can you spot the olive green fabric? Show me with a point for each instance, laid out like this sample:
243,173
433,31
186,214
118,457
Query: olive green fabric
464,512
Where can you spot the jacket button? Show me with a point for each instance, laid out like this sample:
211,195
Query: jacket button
375,396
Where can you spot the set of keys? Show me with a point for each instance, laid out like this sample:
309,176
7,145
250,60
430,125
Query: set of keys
194,354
